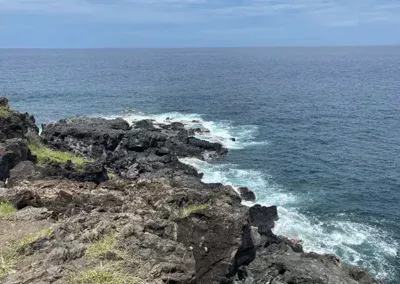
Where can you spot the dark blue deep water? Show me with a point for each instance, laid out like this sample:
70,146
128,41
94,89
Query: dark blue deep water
318,129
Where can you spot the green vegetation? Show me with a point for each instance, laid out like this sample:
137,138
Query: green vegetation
103,275
100,248
194,209
31,238
45,154
10,254
8,259
4,110
6,208
112,176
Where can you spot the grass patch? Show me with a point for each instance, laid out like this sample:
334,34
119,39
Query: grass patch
45,154
101,247
31,238
9,257
194,209
6,208
5,111
103,275
10,254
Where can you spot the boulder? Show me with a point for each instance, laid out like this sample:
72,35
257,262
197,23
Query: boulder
23,171
278,263
145,124
14,124
246,194
263,217
3,102
12,152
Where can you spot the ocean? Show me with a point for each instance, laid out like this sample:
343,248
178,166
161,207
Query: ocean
317,129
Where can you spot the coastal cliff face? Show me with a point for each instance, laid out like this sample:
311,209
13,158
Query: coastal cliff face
101,201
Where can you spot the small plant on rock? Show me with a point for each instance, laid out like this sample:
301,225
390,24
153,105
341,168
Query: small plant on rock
108,274
106,245
10,254
6,209
45,154
194,209
4,111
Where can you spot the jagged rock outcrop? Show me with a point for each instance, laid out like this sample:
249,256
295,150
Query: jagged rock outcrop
173,234
145,150
155,222
14,127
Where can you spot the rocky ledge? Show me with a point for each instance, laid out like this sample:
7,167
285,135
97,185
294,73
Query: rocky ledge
100,201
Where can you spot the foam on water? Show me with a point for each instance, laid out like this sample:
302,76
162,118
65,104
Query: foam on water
353,242
219,132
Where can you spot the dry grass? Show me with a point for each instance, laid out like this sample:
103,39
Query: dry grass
10,254
100,248
109,274
194,209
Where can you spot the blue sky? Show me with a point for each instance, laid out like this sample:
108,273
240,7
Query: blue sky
191,23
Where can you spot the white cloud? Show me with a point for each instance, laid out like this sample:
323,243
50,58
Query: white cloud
325,12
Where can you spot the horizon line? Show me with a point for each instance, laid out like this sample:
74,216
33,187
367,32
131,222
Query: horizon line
206,47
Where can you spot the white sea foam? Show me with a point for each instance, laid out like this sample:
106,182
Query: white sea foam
220,132
356,243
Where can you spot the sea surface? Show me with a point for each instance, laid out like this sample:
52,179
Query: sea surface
317,129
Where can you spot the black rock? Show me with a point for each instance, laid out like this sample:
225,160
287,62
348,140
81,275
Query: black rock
3,102
246,194
145,124
263,217
112,141
22,171
12,152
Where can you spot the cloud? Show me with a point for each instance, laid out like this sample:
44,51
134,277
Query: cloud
326,12
322,12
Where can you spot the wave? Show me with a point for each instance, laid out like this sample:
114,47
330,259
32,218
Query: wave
223,132
356,243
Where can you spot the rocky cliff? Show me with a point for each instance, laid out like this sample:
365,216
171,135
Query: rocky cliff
104,201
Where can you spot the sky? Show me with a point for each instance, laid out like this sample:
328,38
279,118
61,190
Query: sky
197,23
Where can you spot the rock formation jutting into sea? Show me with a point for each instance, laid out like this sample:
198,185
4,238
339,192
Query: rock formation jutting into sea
94,200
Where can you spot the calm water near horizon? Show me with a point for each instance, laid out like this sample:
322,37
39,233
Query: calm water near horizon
317,128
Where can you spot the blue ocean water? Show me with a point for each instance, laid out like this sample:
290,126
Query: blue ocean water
317,129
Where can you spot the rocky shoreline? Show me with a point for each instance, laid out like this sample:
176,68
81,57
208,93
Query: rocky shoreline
93,200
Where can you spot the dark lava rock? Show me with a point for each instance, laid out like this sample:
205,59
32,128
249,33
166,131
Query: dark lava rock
12,152
145,124
278,263
120,124
153,150
246,194
91,172
263,217
3,102
15,124
23,171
